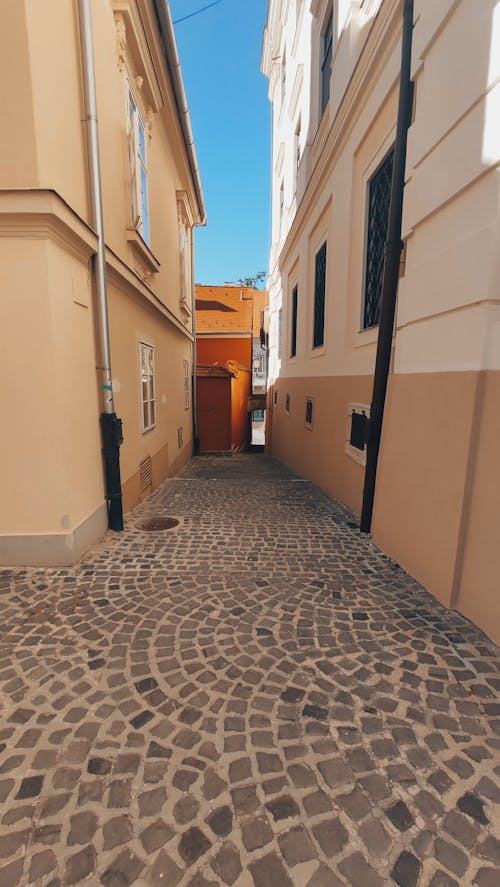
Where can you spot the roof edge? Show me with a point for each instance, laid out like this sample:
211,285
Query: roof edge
167,32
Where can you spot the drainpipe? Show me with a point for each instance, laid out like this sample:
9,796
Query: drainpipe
390,276
111,426
196,439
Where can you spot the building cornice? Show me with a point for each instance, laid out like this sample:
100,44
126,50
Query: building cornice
42,214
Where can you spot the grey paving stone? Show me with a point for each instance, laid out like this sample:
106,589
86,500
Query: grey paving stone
272,687
406,870
269,871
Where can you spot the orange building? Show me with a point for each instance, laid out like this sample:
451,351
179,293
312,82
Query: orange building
231,363
222,407
228,324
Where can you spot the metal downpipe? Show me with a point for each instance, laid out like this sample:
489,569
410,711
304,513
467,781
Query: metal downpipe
111,429
390,273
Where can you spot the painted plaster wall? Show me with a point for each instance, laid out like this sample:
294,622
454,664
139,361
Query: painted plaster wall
428,507
49,385
221,350
50,445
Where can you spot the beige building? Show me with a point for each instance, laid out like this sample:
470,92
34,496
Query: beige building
333,72
52,503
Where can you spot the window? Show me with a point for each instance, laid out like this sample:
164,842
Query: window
287,404
138,169
183,260
326,62
283,76
358,417
293,335
147,369
296,155
309,412
319,297
280,333
186,384
282,201
379,198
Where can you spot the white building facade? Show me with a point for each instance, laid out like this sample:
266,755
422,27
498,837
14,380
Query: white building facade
333,70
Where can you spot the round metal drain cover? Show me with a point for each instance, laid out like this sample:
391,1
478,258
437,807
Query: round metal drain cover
154,524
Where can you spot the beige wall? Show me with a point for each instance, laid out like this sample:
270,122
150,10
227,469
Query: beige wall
319,453
132,322
476,585
51,464
52,504
438,472
421,475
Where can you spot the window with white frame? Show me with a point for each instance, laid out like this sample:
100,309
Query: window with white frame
183,258
283,76
296,155
147,371
137,139
326,62
186,384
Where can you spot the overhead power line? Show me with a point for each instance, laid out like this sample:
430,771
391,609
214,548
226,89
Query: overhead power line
198,11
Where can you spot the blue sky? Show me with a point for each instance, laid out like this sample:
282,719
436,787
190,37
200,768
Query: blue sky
230,113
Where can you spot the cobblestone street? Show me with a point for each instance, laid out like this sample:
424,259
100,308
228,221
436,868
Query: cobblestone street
256,697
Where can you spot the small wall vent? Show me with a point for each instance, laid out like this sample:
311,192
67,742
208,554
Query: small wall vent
146,475
179,437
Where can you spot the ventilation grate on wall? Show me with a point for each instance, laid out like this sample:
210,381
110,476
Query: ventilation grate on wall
146,475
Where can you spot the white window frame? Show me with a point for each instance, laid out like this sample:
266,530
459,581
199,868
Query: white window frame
297,155
187,385
137,134
147,378
283,76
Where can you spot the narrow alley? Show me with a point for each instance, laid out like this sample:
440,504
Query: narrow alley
256,696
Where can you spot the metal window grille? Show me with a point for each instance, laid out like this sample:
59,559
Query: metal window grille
146,474
319,297
358,430
293,338
326,63
309,411
379,198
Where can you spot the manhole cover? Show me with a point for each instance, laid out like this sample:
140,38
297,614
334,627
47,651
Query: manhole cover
154,524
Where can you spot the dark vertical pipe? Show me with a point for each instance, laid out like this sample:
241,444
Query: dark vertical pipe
391,272
111,426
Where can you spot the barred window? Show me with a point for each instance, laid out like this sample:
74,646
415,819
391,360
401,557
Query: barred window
379,198
319,297
326,63
293,336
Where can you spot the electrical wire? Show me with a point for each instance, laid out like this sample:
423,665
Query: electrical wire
192,14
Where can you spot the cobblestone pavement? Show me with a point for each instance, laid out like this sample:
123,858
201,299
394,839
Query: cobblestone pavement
256,697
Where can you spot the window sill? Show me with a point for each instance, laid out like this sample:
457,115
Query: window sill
318,351
366,337
143,251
